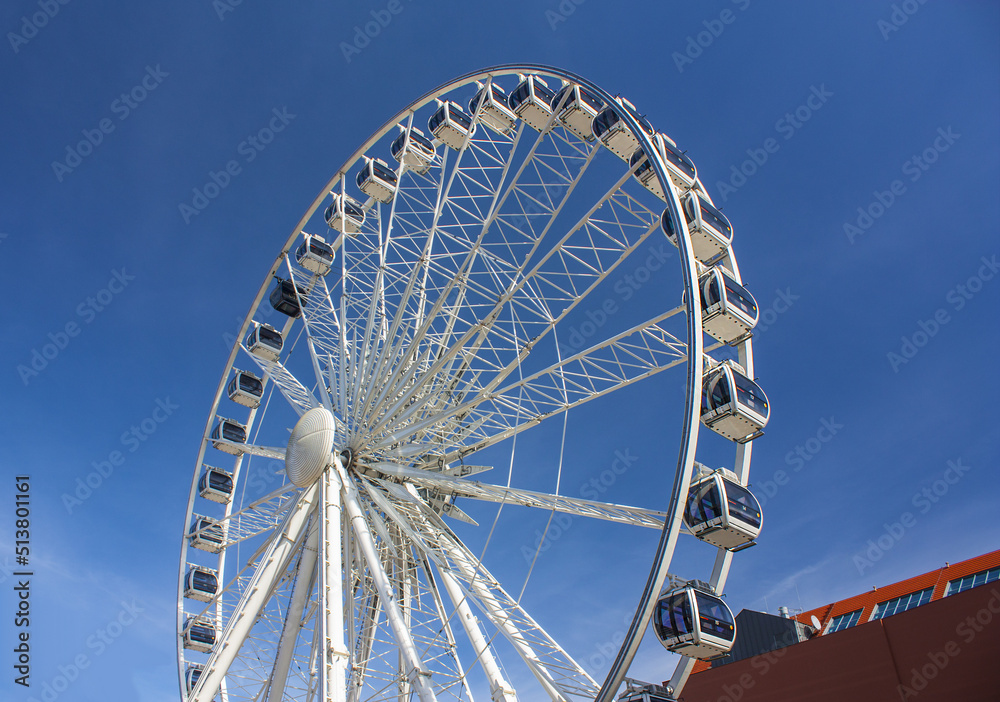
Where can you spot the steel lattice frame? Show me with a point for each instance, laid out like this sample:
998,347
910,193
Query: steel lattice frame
420,343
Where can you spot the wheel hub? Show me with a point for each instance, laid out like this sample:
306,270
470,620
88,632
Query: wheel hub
309,447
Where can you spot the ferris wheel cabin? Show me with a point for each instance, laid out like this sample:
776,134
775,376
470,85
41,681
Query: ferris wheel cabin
285,298
345,214
576,108
495,112
451,124
531,100
723,513
216,485
413,150
694,622
264,341
200,583
192,674
245,388
229,430
732,405
711,232
315,255
377,180
206,534
615,134
728,310
199,634
681,169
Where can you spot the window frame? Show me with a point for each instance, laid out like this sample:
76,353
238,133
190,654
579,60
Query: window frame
951,589
846,617
880,608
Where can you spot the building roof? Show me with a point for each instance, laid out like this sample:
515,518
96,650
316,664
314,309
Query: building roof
748,638
937,580
941,652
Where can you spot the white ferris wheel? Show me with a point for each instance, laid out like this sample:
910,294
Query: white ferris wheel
425,311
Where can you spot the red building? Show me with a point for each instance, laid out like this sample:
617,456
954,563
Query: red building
932,637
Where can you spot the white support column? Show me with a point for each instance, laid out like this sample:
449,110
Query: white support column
405,594
293,617
502,619
335,656
500,689
418,674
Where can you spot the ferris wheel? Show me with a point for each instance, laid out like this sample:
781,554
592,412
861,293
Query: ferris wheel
437,300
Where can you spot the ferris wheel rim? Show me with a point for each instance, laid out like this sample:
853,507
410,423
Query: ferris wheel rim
695,332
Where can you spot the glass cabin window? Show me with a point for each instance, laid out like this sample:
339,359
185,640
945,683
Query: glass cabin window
715,219
542,93
970,581
747,393
206,582
590,99
738,296
667,225
353,209
422,141
210,531
646,164
560,97
250,384
710,292
436,119
498,95
519,95
321,248
476,99
233,432
901,604
675,615
713,617
417,141
689,214
397,145
743,504
284,301
383,172
704,505
202,633
678,159
460,118
270,337
844,621
717,395
644,124
216,481
604,121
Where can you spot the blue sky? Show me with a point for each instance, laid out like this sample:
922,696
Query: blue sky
868,236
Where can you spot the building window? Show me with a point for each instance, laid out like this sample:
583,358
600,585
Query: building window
844,621
971,581
901,604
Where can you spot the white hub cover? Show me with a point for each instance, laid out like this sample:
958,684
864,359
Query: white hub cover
309,447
